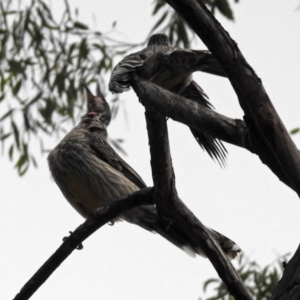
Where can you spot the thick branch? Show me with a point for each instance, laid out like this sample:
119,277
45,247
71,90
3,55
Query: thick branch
142,197
186,111
170,206
161,164
260,115
204,119
288,287
180,214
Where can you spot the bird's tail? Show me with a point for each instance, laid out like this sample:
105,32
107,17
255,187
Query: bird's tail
146,217
214,147
177,236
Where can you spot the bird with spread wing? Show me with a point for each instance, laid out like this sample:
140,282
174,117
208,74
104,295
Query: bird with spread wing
172,68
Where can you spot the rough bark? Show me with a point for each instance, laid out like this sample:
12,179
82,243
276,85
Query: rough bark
274,144
233,131
261,117
288,287
170,206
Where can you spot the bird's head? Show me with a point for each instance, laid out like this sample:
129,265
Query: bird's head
158,39
97,107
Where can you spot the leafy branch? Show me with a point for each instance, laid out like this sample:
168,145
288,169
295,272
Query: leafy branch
261,282
43,59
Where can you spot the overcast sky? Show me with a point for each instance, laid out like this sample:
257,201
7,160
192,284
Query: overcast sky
245,201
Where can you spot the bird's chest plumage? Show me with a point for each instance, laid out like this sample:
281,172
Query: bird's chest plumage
86,181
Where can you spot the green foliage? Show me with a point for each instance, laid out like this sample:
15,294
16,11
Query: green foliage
42,62
175,27
260,281
295,131
43,59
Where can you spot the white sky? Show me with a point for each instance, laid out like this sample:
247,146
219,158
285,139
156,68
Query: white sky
245,201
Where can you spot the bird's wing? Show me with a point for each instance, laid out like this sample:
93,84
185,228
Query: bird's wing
121,74
214,147
209,64
151,61
194,92
105,152
189,61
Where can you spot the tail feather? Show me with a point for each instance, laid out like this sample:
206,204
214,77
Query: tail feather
146,217
178,237
214,147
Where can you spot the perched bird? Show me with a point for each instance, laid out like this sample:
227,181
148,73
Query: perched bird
172,68
90,174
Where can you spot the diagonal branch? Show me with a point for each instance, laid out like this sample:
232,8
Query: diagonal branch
189,112
260,115
186,111
170,206
288,287
108,213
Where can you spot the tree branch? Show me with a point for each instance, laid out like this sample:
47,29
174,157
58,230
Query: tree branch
288,287
189,112
102,216
161,164
275,143
180,214
186,111
170,206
